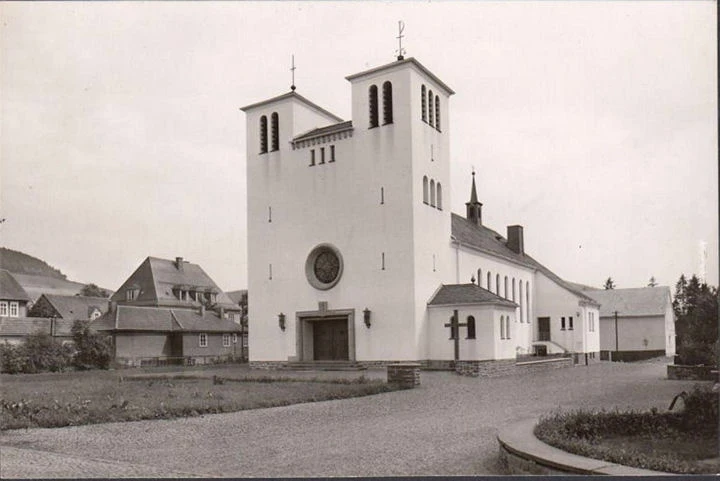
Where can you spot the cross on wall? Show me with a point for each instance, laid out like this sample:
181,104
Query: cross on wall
455,326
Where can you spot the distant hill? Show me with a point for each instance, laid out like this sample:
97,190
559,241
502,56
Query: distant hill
20,263
36,276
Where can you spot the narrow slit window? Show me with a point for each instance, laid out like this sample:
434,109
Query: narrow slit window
439,196
513,291
527,301
562,323
502,327
387,103
322,155
437,113
312,157
425,189
479,277
430,109
507,327
489,278
332,154
570,323
423,96
506,288
275,134
497,284
522,303
373,104
432,193
263,135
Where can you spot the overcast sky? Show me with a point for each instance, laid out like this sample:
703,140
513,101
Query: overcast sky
592,124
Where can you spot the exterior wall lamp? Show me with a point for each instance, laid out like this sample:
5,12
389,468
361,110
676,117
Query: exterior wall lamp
366,317
281,321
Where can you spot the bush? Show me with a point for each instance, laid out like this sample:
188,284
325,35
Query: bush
93,350
701,410
693,353
39,353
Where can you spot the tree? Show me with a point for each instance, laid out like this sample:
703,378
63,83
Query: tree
609,284
696,323
91,290
652,282
93,350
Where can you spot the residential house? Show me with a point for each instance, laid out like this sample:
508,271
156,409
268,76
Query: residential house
171,312
70,308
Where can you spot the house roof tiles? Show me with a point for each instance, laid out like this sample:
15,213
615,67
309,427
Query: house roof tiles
163,319
77,307
455,294
10,288
641,301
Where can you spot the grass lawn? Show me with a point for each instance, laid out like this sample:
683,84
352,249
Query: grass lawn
75,398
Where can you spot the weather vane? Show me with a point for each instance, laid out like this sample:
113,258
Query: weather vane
400,50
292,69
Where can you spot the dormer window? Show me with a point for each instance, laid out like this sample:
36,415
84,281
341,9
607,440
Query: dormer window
132,293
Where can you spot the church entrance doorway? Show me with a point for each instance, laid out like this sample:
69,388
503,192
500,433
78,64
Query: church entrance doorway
330,340
325,335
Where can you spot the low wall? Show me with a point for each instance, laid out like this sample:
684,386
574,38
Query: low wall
630,356
521,453
505,367
692,373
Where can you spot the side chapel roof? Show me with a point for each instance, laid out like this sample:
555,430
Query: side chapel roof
457,294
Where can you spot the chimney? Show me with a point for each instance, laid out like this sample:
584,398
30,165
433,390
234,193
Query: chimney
202,310
112,305
222,313
179,263
515,239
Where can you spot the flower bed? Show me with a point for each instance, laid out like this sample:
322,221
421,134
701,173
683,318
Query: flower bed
685,443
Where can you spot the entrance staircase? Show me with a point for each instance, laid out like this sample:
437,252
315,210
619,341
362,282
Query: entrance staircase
324,366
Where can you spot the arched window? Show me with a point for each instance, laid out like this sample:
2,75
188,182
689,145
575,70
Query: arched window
489,278
387,103
506,288
513,291
425,189
263,134
423,95
479,277
439,196
275,134
373,103
430,105
471,327
432,193
522,304
497,284
437,112
502,327
507,327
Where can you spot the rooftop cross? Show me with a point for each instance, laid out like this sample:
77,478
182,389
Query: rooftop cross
292,69
401,29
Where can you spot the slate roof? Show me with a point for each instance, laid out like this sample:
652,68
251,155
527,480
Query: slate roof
22,326
156,279
10,288
400,62
77,307
456,294
237,296
296,96
330,129
487,240
641,301
163,319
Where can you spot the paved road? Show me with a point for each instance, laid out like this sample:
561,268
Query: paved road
445,427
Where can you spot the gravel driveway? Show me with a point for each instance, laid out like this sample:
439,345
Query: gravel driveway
447,426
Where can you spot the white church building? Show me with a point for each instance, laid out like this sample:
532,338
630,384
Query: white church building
353,254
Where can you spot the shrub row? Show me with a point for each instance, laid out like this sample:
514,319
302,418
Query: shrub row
40,352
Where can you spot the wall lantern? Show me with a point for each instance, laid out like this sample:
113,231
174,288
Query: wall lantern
281,321
366,317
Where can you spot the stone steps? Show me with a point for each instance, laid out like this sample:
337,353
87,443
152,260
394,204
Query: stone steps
324,366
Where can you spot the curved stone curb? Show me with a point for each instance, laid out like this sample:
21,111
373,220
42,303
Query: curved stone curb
522,453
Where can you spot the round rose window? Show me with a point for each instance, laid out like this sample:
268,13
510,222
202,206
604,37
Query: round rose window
324,266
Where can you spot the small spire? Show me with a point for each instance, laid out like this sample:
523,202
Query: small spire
473,191
292,69
400,51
